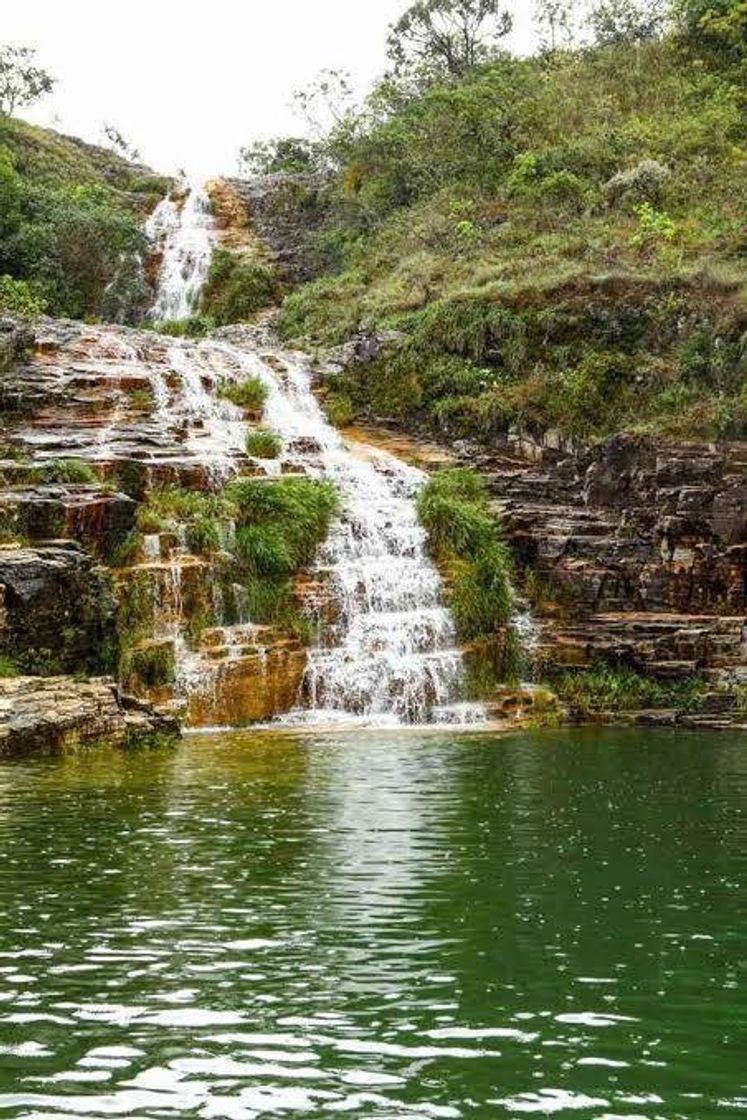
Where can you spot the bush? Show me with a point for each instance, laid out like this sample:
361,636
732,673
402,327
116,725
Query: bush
20,298
236,289
643,183
263,444
71,471
466,540
610,688
339,409
280,524
249,395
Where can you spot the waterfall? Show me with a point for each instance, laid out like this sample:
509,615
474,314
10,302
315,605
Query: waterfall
182,231
390,656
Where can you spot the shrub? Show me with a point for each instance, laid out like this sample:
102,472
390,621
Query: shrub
8,667
263,444
339,409
249,395
610,688
466,540
236,289
20,298
281,523
643,183
72,471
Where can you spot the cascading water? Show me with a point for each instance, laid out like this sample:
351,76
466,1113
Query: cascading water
390,655
181,230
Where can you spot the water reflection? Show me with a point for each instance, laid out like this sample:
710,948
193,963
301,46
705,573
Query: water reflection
388,926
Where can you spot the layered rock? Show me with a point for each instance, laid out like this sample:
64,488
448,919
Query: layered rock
636,550
51,714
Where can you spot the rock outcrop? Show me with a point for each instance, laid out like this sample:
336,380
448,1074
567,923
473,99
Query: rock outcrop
634,550
285,210
44,715
57,610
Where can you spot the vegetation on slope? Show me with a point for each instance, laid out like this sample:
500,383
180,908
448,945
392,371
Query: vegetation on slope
559,239
71,225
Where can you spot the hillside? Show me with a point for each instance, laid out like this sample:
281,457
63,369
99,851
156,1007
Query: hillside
559,241
71,217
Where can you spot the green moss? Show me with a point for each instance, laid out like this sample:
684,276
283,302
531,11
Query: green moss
263,444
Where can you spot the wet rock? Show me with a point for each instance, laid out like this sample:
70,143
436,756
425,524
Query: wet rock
47,715
99,521
57,610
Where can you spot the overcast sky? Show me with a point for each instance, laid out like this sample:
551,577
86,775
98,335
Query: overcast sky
189,83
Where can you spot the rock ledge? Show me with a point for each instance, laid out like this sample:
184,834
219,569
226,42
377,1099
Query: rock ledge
44,715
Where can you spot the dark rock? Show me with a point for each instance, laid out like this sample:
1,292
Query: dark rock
57,610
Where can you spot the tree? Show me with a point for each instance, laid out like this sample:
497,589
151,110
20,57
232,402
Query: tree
628,21
21,81
325,102
120,144
450,35
554,20
719,25
282,154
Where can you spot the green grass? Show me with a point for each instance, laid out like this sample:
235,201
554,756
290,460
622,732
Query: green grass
236,289
249,395
71,216
281,523
467,543
263,444
606,688
560,242
70,471
8,667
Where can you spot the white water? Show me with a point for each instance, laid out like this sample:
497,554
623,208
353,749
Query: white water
183,231
390,656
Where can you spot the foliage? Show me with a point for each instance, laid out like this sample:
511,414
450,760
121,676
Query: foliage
150,665
608,688
8,667
466,540
70,471
628,21
250,394
70,220
290,154
718,26
450,36
544,234
263,444
236,289
21,81
281,523
19,298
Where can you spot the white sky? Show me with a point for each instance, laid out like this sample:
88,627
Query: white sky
189,83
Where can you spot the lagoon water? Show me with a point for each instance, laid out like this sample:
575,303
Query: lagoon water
395,925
